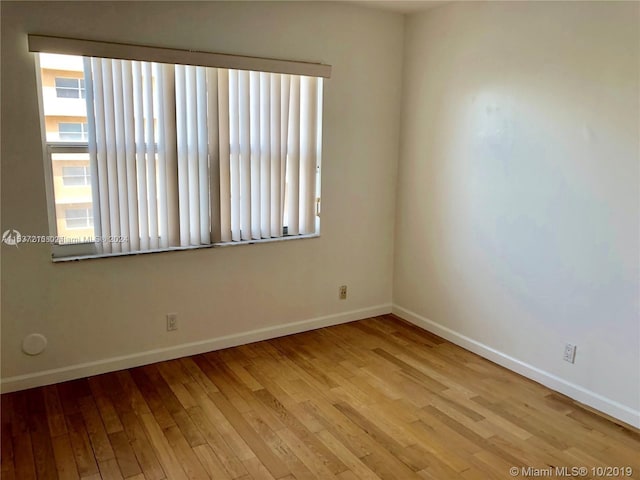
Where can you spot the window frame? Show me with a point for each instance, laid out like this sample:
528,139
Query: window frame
80,88
87,217
85,176
84,132
88,250
84,250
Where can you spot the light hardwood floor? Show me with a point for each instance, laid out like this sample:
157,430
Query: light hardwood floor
372,399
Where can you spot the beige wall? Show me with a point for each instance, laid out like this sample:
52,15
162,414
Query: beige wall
99,309
518,188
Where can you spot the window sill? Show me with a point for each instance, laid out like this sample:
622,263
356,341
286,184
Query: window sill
73,258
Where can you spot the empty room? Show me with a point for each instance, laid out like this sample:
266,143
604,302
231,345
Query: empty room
247,240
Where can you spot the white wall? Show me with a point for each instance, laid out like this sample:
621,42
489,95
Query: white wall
100,309
518,189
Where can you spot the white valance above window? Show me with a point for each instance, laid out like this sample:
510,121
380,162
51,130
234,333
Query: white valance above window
123,51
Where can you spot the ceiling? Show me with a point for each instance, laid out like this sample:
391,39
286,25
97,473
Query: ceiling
400,6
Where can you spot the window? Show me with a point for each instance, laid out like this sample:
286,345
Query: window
70,87
184,156
76,176
72,132
78,217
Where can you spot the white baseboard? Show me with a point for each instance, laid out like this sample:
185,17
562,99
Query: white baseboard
47,377
606,405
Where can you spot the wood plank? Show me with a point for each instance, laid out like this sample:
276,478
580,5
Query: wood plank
124,454
290,417
154,400
19,414
105,406
166,455
217,443
185,455
40,436
65,462
81,445
352,462
25,467
109,469
7,464
240,424
279,447
145,454
95,429
55,414
409,457
211,463
189,429
137,477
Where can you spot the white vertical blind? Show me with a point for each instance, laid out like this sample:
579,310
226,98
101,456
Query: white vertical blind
93,152
234,157
264,154
120,151
149,127
285,92
130,153
224,141
293,159
245,155
275,123
214,153
111,152
191,134
187,155
141,158
183,160
203,157
166,147
319,87
308,153
255,160
100,154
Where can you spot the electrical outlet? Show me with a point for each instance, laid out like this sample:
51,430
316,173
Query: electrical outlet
342,292
569,353
172,322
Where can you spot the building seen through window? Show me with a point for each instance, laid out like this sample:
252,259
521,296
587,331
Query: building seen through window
65,118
